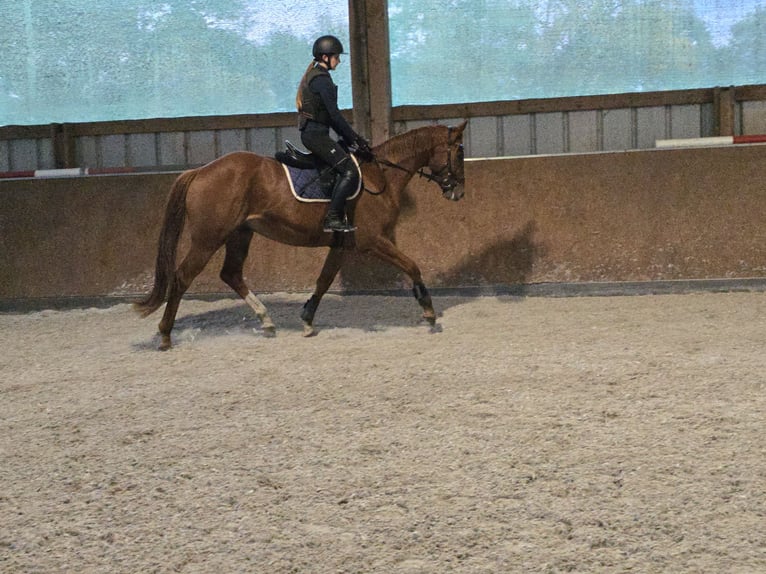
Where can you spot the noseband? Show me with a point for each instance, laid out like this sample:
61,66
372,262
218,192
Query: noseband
445,178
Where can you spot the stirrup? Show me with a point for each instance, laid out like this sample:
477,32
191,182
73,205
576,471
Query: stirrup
333,222
342,228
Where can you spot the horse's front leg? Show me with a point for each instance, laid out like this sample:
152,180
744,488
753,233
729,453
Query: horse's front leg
385,249
330,269
424,299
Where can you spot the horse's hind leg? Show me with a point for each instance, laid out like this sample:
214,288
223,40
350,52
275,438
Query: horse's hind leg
330,269
237,247
192,265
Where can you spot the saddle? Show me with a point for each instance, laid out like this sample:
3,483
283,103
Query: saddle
308,183
295,157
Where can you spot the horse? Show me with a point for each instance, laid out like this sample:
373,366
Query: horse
241,193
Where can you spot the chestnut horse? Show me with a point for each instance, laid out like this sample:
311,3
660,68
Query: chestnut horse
230,198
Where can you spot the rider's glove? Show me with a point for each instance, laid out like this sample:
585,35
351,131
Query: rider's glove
363,149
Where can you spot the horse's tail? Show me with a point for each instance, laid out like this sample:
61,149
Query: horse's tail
170,234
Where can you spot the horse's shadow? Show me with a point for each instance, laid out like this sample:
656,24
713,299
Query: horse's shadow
502,268
232,316
335,311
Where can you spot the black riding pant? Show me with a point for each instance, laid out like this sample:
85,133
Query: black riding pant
328,151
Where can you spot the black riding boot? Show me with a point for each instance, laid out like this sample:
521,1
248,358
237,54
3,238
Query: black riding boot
345,186
327,178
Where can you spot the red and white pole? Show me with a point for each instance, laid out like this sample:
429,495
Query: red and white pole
710,141
67,172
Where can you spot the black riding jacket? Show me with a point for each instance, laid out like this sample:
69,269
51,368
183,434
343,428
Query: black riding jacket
319,101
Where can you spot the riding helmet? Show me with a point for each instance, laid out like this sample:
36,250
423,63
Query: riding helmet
327,45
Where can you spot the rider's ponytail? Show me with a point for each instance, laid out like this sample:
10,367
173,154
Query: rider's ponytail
301,87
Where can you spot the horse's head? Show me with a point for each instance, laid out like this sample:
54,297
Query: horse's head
446,164
433,152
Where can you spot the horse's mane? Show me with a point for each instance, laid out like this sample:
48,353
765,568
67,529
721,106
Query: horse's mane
405,145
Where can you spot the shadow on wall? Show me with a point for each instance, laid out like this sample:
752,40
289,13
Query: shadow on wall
509,262
363,272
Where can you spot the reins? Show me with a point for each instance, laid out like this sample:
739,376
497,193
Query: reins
438,178
385,162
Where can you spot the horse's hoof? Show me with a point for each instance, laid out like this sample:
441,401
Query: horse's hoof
308,330
430,319
165,346
269,331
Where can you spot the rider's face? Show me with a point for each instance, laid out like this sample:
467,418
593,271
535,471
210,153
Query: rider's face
334,61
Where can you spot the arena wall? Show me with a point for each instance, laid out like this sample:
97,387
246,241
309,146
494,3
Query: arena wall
643,215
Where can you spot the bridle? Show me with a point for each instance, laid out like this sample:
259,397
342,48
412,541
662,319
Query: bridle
445,178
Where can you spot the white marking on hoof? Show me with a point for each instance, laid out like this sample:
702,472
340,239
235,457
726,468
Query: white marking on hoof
255,303
269,331
308,330
260,311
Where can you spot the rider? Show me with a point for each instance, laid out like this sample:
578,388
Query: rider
317,102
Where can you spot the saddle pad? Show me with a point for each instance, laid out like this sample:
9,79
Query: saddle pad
304,183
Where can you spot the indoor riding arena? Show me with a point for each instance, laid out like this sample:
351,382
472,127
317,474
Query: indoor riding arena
591,397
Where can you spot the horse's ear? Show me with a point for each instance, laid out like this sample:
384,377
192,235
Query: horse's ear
455,133
458,131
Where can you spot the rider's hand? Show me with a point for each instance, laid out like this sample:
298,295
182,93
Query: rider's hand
363,149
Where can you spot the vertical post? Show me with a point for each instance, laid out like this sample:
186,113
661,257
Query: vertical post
723,101
370,68
360,89
63,145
